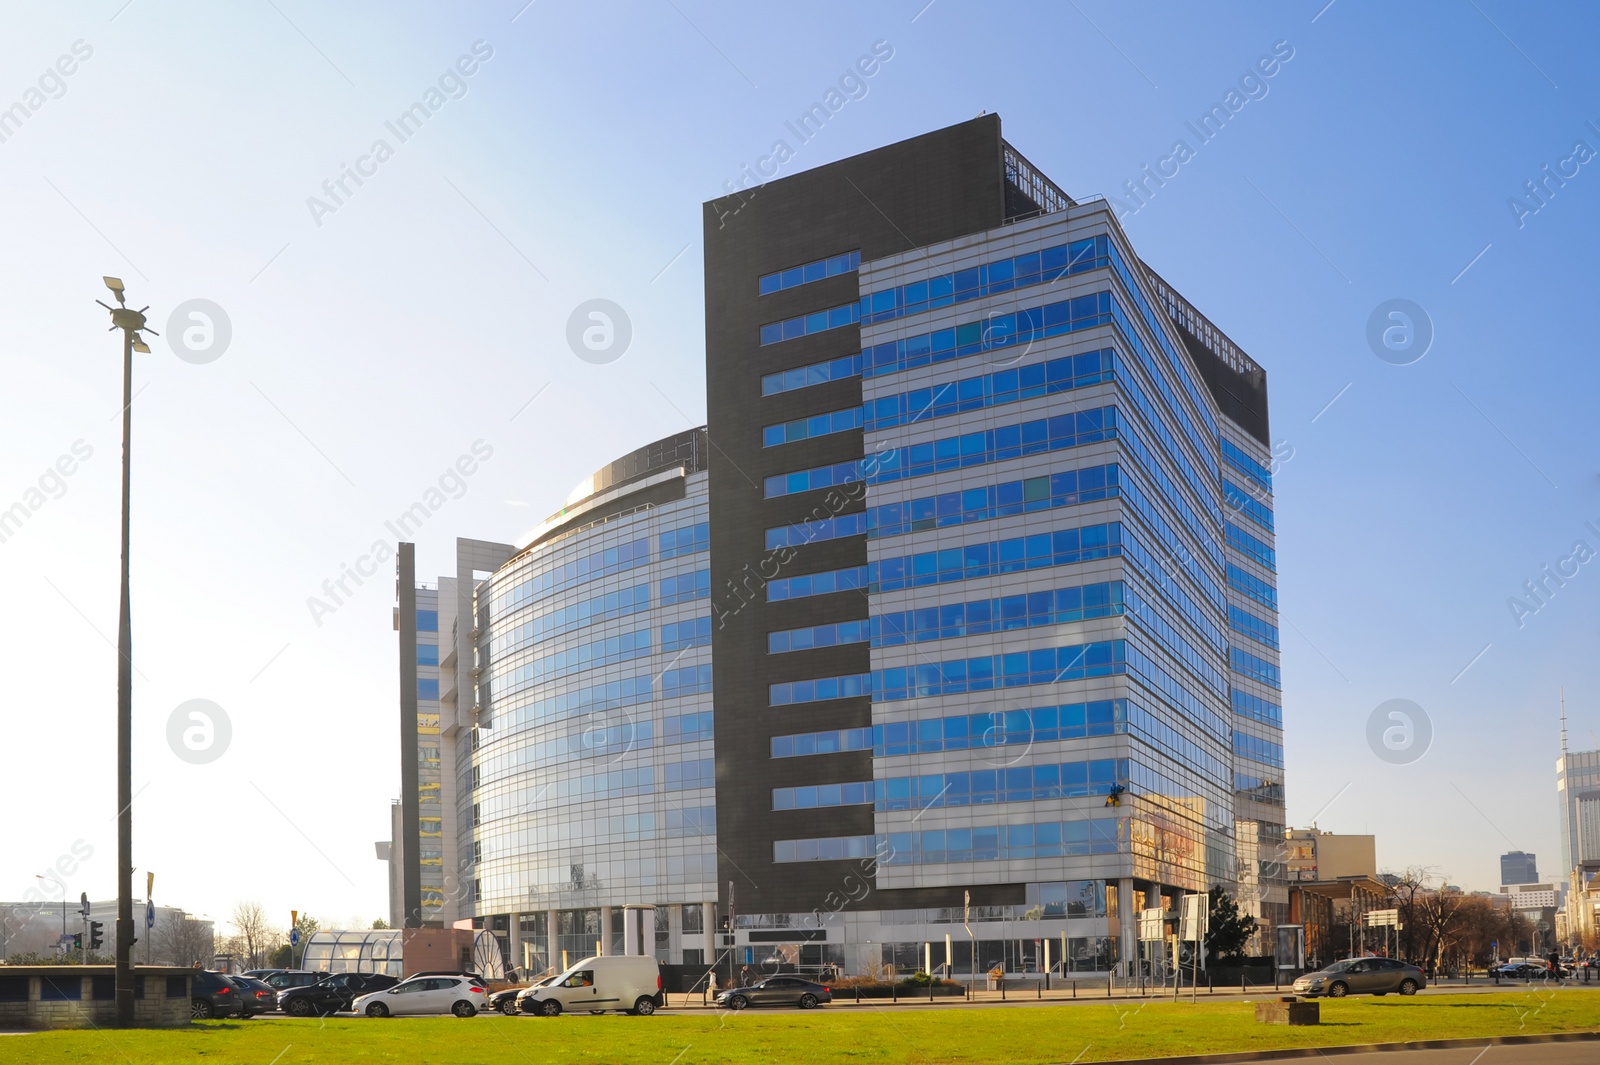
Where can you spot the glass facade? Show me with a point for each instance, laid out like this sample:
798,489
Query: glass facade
594,793
1054,497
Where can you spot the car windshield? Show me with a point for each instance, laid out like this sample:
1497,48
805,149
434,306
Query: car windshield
1339,966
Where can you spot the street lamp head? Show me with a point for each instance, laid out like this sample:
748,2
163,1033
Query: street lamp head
140,345
115,285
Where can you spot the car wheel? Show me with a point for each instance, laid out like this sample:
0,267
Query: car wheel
738,1002
1408,987
299,1007
645,1006
509,1007
464,1009
808,1001
550,1008
201,1010
1338,989
377,1009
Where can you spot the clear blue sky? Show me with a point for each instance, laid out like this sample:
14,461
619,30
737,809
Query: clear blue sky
373,344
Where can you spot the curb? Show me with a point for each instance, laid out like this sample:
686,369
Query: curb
1363,1048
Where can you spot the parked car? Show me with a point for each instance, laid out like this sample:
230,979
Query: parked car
506,1001
257,996
524,993
260,974
1362,976
629,983
777,991
336,994
449,972
213,995
463,996
1529,970
287,978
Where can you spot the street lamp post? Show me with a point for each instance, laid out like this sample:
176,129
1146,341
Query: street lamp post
130,322
53,880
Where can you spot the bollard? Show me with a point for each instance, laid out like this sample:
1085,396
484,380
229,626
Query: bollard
1108,985
1038,989
1002,989
930,989
1074,989
894,993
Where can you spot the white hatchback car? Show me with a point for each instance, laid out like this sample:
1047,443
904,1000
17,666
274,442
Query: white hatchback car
460,995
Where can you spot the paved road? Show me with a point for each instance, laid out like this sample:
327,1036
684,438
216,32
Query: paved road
1577,1053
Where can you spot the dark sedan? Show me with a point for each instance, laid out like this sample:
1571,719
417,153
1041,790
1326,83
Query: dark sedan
213,995
1362,976
332,995
777,991
256,996
1529,971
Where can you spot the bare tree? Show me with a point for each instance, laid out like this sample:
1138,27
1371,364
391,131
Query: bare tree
182,940
250,924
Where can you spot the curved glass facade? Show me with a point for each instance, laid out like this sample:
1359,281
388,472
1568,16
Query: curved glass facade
592,762
382,951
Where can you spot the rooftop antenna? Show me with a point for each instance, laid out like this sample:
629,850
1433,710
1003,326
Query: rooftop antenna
1563,722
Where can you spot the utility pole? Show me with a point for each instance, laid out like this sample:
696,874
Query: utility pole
130,322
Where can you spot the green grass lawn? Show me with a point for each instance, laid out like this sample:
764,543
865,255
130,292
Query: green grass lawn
1028,1036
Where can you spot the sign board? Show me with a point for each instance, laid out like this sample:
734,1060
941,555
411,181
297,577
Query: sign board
1196,918
1383,918
294,937
1152,925
1290,952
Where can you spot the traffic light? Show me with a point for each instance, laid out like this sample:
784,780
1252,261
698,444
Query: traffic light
96,939
77,941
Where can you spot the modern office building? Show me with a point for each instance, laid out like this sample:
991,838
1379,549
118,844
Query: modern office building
430,847
992,567
1578,786
1518,867
592,765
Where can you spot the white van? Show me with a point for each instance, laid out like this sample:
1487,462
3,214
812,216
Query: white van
616,982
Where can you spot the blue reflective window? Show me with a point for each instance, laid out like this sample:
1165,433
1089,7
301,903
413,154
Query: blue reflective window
838,421
1252,586
1247,664
686,540
428,688
815,374
695,632
806,324
1250,547
1244,503
686,587
1257,708
978,448
427,654
806,273
427,621
1252,626
1239,460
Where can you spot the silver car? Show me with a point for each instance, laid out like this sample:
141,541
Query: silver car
1362,976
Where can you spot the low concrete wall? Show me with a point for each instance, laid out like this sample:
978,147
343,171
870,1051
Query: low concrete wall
83,996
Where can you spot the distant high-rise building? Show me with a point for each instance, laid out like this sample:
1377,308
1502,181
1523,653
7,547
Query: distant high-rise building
1518,867
1578,785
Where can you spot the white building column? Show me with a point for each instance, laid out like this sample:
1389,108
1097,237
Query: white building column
605,930
514,940
552,950
708,927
